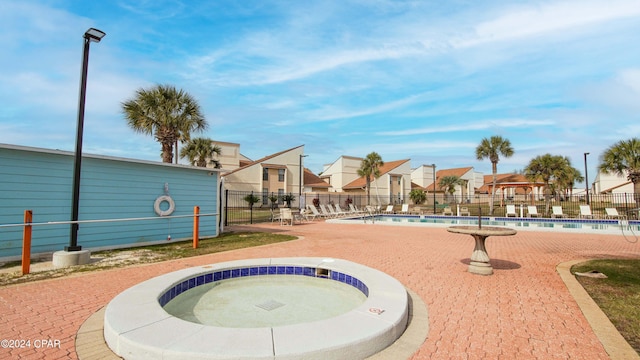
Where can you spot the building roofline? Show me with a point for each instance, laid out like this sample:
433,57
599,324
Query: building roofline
103,157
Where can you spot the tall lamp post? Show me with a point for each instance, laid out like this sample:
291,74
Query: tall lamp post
586,177
91,35
301,177
434,188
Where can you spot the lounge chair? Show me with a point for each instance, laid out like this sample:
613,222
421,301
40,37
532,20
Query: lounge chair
389,209
464,211
286,216
447,211
326,212
612,213
585,212
354,209
511,211
314,211
532,211
308,214
342,212
334,211
405,209
557,212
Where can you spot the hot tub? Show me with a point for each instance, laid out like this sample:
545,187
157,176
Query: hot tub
137,325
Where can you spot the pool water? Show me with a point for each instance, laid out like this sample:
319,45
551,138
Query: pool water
265,301
608,226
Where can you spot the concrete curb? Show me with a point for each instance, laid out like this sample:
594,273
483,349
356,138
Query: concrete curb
614,344
90,343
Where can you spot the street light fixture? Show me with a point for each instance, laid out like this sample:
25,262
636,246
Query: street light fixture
91,35
301,177
434,188
586,177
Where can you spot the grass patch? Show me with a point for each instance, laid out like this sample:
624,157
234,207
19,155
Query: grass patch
149,254
618,295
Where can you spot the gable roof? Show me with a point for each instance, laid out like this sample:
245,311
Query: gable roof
246,165
508,180
361,182
446,172
610,190
313,180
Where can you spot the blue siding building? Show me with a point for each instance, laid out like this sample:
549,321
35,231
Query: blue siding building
111,188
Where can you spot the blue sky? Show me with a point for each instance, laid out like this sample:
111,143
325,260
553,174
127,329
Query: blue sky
419,80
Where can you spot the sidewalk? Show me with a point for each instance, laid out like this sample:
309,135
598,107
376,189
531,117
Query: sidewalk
522,311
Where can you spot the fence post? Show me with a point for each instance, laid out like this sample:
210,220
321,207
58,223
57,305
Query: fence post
226,207
196,226
251,210
26,242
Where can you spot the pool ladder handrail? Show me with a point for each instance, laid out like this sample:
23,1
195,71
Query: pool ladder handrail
371,212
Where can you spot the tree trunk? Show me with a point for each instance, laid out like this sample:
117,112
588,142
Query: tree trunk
494,170
167,153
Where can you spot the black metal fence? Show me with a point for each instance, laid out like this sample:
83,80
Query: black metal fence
237,209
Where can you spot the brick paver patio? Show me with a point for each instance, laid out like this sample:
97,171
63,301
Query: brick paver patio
522,311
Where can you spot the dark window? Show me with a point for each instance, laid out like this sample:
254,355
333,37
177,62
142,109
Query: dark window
265,174
281,175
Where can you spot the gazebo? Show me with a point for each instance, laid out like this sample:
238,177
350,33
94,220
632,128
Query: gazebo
511,181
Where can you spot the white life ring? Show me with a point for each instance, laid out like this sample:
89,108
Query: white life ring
159,200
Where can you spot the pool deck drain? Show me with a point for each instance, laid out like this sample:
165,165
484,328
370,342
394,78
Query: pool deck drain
270,305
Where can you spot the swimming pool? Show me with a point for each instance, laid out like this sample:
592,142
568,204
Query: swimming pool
599,226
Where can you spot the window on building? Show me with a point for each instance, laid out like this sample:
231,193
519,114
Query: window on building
265,196
280,195
281,175
265,174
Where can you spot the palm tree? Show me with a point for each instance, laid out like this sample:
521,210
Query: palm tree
547,168
492,148
199,150
166,113
623,158
418,196
567,178
448,183
370,166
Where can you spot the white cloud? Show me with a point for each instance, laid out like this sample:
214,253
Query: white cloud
482,125
550,18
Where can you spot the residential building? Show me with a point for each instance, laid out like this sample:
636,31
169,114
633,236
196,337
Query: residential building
277,174
391,187
230,157
341,172
463,193
611,184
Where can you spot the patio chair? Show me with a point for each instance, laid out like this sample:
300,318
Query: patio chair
447,211
464,211
275,216
388,210
557,212
511,211
585,212
286,216
532,211
612,213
